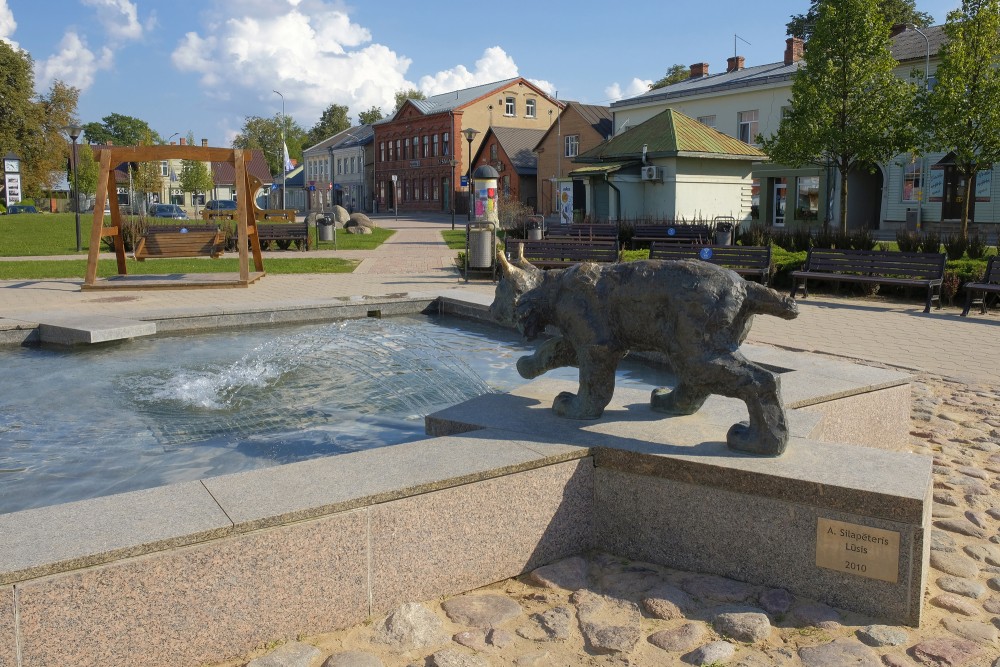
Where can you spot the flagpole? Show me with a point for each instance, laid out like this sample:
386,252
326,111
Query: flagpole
283,149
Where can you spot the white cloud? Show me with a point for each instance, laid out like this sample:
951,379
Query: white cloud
120,18
494,65
74,64
7,24
635,87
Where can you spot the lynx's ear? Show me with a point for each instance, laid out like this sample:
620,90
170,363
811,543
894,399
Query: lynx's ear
524,275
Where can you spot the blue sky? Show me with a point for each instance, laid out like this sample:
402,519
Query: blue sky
202,66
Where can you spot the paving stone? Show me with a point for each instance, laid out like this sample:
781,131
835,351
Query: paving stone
535,659
499,637
679,639
353,659
974,472
776,600
292,654
946,652
817,614
629,584
955,603
979,519
942,541
896,660
838,653
992,606
450,657
569,573
748,627
960,526
667,602
474,639
959,586
944,498
714,652
883,635
984,633
721,589
550,625
481,611
954,563
982,553
609,625
410,626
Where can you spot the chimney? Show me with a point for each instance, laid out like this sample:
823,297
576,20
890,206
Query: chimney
204,142
734,64
173,143
183,141
897,29
698,70
794,47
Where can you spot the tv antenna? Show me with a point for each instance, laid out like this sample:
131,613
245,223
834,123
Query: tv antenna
735,47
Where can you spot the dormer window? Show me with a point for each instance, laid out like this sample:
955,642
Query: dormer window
508,109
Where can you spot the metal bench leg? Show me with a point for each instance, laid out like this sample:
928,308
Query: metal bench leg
968,302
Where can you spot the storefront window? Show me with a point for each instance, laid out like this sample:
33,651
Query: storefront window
807,198
911,181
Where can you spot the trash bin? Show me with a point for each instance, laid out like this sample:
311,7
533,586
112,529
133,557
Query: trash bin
534,229
325,228
480,248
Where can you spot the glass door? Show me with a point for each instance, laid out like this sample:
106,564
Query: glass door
780,198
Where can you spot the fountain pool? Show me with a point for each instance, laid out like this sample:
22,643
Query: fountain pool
90,422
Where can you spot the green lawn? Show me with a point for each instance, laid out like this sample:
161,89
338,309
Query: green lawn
76,268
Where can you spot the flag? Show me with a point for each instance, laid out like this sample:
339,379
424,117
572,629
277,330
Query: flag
288,161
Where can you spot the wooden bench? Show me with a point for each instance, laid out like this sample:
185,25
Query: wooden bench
684,234
752,261
560,253
917,269
284,234
990,283
583,231
181,241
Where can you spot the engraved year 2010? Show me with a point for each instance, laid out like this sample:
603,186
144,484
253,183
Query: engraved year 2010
860,567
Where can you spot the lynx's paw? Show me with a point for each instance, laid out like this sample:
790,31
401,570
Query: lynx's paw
569,405
742,438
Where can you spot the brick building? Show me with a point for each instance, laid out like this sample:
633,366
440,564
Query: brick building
510,150
423,147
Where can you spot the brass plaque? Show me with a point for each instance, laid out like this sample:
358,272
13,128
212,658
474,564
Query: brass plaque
856,549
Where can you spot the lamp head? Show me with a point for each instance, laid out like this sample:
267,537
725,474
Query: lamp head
74,131
470,134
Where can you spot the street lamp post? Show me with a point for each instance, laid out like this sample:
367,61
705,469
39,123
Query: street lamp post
74,134
470,134
283,171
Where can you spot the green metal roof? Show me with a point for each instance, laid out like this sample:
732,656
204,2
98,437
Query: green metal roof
671,134
603,168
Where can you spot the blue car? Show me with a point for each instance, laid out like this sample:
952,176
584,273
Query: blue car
167,211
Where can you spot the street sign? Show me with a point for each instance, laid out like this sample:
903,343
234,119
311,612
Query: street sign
465,181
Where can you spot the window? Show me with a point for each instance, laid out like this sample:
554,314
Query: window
426,146
707,120
911,181
572,145
508,107
164,168
529,108
381,153
445,145
399,152
390,151
406,190
493,152
747,126
402,150
416,190
435,145
435,193
353,165
340,165
427,190
415,153
506,185
807,198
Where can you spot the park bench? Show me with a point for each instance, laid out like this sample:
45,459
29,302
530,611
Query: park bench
748,261
684,234
560,253
583,231
283,234
181,240
989,283
917,269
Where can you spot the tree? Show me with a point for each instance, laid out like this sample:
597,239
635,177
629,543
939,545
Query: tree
893,11
196,178
120,130
675,74
264,134
145,176
848,107
333,120
962,112
372,115
410,94
86,173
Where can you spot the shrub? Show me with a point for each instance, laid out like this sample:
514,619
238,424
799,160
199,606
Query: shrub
756,234
907,241
802,239
512,215
823,238
976,248
842,240
862,239
955,245
931,242
949,286
782,238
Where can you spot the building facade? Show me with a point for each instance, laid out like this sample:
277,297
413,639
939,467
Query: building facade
340,170
510,151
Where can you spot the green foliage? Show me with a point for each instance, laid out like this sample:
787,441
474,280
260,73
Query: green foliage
372,115
908,241
195,177
76,268
961,113
931,242
754,234
977,247
675,74
121,130
264,134
955,246
894,11
410,94
849,109
333,121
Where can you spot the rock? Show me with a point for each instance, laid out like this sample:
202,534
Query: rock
536,659
353,659
552,624
882,635
896,660
748,627
941,541
992,606
720,589
961,526
946,651
978,519
292,654
678,640
837,653
410,626
776,600
959,586
499,638
361,219
982,553
718,652
474,639
450,657
357,229
608,625
955,603
984,633
818,614
630,584
481,611
954,564
340,215
942,498
974,472
667,602
569,573
994,583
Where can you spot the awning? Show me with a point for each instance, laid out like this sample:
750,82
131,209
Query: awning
602,168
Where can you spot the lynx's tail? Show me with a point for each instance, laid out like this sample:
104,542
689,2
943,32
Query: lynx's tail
766,301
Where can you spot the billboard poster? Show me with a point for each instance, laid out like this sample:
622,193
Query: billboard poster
13,184
936,186
984,184
566,203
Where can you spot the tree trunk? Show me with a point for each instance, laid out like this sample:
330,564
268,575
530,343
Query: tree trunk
843,200
965,202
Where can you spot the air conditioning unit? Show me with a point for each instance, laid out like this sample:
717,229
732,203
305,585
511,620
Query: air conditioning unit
651,174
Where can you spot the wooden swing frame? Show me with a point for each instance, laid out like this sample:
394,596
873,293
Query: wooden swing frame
246,230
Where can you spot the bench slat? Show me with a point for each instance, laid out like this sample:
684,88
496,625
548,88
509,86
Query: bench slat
744,260
989,284
170,241
555,253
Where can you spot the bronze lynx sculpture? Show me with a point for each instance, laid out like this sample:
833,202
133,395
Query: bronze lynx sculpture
694,312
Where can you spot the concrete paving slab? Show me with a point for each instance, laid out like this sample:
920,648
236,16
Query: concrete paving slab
89,329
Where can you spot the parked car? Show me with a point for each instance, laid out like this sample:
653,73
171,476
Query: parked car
221,205
20,208
167,211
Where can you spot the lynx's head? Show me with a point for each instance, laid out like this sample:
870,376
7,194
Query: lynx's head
516,279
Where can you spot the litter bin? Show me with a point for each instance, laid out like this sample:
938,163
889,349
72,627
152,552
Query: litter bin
325,228
480,247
